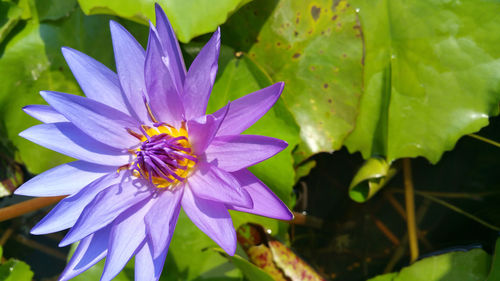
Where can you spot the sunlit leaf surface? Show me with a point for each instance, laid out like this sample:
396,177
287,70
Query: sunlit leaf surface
189,18
316,49
431,75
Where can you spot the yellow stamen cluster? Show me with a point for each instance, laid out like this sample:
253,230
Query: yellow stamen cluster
165,156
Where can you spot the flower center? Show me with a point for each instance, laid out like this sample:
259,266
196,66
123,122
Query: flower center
165,156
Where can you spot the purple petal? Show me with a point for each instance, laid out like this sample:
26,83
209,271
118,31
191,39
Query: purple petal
65,213
147,267
129,58
127,237
233,153
44,113
200,78
202,131
245,111
64,179
212,218
265,202
105,207
171,47
67,139
90,250
98,120
163,95
211,183
162,218
96,80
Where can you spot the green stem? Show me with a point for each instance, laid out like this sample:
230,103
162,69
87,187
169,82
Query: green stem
458,210
410,210
492,142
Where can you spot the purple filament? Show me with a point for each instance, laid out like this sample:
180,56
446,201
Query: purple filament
160,156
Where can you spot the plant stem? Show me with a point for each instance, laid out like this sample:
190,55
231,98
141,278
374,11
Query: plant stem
27,206
458,210
492,142
410,210
460,195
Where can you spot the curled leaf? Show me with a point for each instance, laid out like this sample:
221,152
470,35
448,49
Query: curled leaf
370,178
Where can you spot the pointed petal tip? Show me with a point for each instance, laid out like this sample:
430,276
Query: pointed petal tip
48,94
281,143
231,250
217,34
161,15
158,9
65,49
38,229
69,52
63,242
23,135
115,27
281,85
26,108
113,24
288,216
20,190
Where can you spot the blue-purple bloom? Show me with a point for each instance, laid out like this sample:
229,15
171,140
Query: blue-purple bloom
146,148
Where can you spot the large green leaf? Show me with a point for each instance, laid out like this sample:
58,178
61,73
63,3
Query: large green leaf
316,48
432,75
457,266
189,18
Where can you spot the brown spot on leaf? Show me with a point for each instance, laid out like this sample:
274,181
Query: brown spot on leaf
325,85
297,20
295,33
344,55
296,55
329,100
335,17
313,68
335,3
315,12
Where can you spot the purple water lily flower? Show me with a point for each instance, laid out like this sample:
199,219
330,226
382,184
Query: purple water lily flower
146,148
